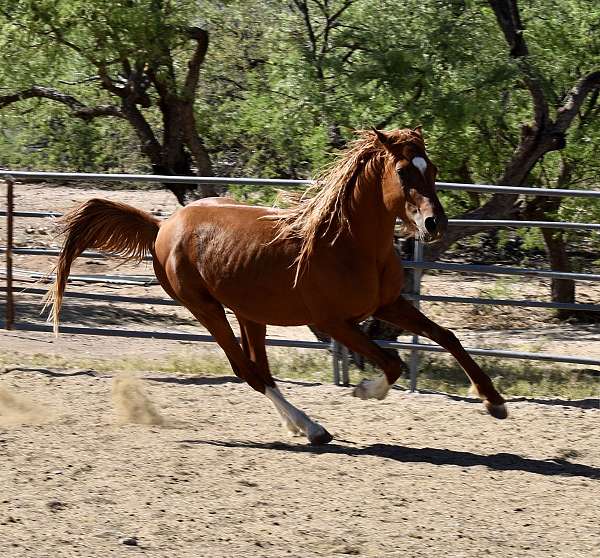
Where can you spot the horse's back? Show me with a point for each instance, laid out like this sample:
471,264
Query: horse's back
234,254
223,217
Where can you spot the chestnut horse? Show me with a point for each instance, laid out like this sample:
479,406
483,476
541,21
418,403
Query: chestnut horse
329,262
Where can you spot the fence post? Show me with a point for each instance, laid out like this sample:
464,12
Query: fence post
345,358
335,360
10,303
340,358
415,355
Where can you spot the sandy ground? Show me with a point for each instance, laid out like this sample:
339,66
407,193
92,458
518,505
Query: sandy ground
216,476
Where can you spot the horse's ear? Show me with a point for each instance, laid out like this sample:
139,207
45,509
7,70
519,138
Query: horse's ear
419,131
382,137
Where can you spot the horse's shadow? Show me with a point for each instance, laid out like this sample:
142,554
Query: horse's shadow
434,456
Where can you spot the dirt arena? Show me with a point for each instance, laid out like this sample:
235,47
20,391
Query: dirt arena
211,472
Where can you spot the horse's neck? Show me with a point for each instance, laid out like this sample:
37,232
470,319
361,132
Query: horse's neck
372,221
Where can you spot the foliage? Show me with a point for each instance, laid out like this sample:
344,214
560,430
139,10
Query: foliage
137,61
285,84
55,141
270,97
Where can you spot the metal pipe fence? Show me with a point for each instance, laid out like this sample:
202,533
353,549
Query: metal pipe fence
340,353
277,183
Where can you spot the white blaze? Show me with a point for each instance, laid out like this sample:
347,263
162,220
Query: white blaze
420,163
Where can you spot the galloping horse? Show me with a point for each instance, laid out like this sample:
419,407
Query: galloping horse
329,262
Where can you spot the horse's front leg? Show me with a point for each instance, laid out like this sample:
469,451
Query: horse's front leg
403,314
352,337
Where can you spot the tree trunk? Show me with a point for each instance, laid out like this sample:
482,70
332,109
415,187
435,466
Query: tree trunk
563,290
180,149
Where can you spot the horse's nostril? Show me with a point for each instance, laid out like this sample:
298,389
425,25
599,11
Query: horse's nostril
430,224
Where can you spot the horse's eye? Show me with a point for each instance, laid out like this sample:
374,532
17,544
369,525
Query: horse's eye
402,173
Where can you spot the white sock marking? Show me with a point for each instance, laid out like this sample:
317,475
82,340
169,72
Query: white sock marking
295,419
376,389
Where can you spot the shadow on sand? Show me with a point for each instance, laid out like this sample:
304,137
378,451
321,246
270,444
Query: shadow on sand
587,403
434,456
99,314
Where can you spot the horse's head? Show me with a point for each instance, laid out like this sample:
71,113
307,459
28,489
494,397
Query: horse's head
411,184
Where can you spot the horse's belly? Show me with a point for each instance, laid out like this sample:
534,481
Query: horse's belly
254,283
264,304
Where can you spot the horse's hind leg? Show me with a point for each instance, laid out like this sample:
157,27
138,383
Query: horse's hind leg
253,343
294,420
211,315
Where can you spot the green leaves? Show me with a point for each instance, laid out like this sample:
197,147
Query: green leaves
284,84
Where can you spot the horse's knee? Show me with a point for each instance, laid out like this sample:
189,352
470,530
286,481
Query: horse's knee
443,336
252,376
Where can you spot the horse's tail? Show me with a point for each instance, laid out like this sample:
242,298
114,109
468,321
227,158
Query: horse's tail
106,225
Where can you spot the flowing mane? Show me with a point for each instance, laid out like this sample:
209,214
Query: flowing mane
326,211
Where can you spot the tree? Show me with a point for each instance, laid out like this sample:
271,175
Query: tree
140,61
274,94
553,113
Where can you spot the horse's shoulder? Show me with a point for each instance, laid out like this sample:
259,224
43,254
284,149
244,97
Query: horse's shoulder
391,278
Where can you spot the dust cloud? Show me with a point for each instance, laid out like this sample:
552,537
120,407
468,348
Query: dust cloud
132,402
15,409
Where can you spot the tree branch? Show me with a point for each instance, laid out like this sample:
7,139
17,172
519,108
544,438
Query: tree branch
342,9
79,82
330,23
107,81
191,79
149,144
303,8
137,83
509,20
78,109
575,98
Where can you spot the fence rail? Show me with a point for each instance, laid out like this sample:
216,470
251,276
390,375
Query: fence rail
451,222
278,183
340,353
424,298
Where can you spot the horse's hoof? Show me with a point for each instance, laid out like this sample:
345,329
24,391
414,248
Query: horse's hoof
498,411
361,391
372,389
320,438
